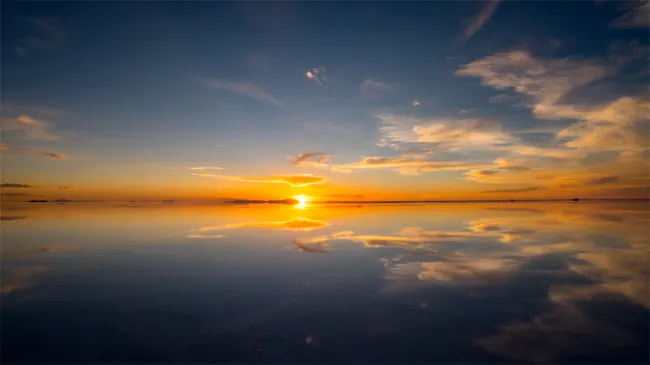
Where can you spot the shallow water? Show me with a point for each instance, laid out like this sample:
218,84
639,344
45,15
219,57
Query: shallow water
438,283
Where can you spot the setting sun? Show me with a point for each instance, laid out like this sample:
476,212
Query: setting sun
302,201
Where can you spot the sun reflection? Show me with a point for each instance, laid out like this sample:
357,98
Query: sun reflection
302,201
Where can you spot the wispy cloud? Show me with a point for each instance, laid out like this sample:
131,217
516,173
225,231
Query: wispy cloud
439,132
317,157
481,18
636,14
374,88
12,185
292,224
407,164
602,180
617,125
49,35
293,180
15,194
244,88
204,168
48,154
30,128
521,190
317,74
509,165
3,146
502,98
67,187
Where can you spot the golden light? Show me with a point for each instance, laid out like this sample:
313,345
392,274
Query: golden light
302,201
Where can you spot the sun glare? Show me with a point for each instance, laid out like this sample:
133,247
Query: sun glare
302,201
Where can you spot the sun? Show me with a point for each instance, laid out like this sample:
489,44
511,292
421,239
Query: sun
302,201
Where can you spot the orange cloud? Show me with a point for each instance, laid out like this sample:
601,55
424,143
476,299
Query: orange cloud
293,180
48,154
519,190
203,168
293,224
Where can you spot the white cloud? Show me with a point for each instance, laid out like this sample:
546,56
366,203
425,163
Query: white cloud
244,88
31,129
374,88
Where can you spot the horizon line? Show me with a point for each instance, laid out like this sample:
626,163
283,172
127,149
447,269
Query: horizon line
291,201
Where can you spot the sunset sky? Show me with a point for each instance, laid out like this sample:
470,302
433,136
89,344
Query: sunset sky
334,100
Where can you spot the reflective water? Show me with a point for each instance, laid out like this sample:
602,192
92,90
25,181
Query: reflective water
439,283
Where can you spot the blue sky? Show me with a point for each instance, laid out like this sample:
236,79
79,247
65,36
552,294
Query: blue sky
158,87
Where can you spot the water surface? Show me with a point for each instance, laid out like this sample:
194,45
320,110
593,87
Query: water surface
438,283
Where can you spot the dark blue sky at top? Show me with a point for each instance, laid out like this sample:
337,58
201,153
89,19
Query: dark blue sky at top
134,71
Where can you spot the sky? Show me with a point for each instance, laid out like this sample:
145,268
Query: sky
335,100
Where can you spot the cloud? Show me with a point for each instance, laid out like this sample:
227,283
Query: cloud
293,224
481,18
619,125
244,88
48,154
546,80
316,247
636,15
49,35
202,236
455,271
346,196
3,146
10,185
15,194
454,133
509,165
30,128
307,158
20,278
13,218
503,171
583,181
415,102
562,332
521,190
405,165
602,180
317,75
502,98
293,180
374,88
203,168
484,227
327,238
66,187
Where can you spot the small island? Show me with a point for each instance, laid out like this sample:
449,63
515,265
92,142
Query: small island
38,201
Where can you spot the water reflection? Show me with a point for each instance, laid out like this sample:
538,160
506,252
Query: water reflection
542,282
